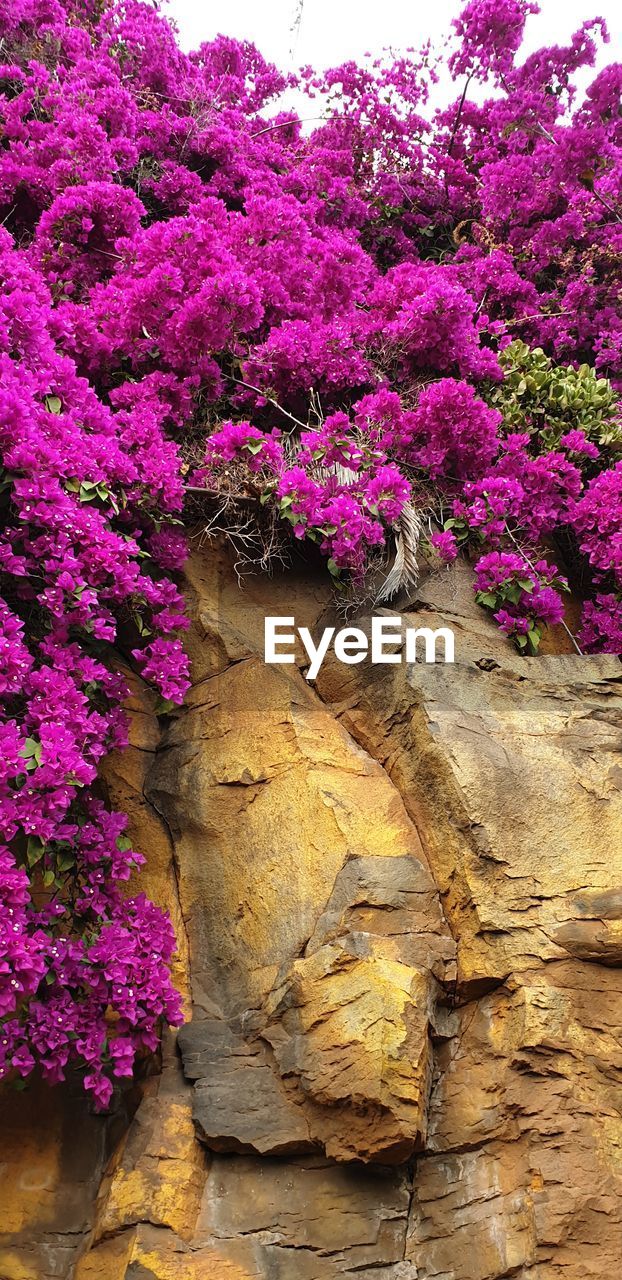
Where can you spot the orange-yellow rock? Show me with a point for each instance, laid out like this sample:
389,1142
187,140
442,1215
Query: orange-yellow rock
398,898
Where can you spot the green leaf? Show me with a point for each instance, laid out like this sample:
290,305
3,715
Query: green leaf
65,861
34,850
164,707
141,625
53,404
48,878
534,635
31,750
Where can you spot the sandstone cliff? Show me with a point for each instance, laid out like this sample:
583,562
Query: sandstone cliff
398,899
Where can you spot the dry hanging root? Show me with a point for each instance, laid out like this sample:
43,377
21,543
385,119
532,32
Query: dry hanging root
405,569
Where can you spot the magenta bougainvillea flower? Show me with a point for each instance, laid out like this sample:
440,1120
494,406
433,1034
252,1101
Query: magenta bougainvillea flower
335,307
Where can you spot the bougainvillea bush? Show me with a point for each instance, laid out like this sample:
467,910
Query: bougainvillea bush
387,319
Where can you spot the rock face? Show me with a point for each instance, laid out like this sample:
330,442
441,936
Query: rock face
398,894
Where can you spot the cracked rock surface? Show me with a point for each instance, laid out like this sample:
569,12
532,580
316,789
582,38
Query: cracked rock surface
398,899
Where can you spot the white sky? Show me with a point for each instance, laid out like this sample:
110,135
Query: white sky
331,31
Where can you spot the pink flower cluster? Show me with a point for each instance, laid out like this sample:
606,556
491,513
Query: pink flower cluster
331,308
89,482
522,595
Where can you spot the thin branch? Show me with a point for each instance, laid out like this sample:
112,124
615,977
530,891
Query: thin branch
606,205
294,30
527,560
459,113
283,124
539,315
217,493
481,303
258,391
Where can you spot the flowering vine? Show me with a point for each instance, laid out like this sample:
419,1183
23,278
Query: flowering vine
399,309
